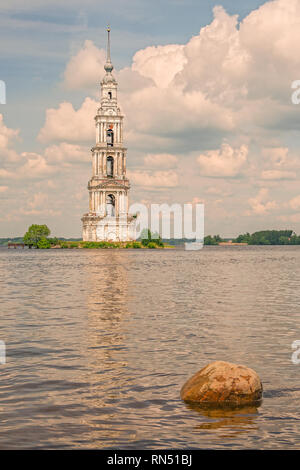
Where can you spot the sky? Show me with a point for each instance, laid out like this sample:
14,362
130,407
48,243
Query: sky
206,90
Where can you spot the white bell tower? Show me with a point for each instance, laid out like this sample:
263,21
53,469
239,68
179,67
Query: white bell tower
108,217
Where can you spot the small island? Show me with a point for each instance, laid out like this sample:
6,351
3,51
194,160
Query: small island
38,237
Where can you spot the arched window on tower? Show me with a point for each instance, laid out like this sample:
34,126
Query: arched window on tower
110,167
109,95
110,137
110,205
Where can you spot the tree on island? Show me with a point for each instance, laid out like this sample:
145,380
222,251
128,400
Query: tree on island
152,239
244,238
44,243
37,235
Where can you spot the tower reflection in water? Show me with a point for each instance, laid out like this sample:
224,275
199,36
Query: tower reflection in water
107,312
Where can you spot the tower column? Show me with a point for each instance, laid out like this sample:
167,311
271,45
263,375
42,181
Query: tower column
124,203
117,203
103,202
120,203
119,153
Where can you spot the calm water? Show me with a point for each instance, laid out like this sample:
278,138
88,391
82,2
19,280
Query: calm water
99,343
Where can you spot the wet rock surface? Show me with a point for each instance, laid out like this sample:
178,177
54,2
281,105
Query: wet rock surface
223,383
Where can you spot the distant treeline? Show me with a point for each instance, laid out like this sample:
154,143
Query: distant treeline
269,237
264,237
4,241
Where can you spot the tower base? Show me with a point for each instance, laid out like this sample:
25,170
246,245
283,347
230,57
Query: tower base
109,229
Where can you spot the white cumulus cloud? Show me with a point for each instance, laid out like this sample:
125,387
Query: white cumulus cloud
157,179
224,162
85,69
260,204
67,124
66,153
294,203
162,160
278,175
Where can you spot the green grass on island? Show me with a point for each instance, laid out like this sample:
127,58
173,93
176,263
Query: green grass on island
93,245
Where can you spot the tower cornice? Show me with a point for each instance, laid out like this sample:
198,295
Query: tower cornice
104,147
110,185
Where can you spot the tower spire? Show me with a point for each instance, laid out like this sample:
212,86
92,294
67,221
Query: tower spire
108,67
108,44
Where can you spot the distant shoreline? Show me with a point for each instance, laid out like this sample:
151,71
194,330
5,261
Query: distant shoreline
181,247
261,238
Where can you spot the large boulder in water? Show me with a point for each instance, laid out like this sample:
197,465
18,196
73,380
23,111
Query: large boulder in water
222,383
